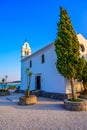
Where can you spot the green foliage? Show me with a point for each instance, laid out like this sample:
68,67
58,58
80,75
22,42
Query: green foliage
82,75
75,100
12,87
4,82
66,47
3,90
82,68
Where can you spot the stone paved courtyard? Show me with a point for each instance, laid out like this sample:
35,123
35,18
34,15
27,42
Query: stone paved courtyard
47,114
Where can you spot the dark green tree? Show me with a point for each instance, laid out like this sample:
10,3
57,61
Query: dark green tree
82,75
67,49
3,83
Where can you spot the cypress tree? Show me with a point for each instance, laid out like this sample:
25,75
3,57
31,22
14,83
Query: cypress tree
84,78
82,75
67,49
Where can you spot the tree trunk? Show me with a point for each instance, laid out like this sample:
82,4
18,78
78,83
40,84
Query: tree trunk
28,92
72,87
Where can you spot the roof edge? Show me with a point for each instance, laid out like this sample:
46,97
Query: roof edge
38,51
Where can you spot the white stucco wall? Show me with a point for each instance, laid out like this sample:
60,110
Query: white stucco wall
51,80
83,41
78,86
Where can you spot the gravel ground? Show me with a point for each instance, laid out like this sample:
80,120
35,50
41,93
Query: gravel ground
47,114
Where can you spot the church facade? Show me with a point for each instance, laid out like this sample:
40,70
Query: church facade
45,76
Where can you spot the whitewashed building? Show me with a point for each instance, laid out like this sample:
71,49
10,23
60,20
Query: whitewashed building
45,75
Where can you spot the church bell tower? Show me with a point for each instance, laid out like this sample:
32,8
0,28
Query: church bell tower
26,50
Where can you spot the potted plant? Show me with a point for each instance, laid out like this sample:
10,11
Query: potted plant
29,75
28,99
4,91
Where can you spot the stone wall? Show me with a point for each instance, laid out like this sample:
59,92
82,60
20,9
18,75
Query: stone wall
75,106
4,93
27,100
36,93
58,96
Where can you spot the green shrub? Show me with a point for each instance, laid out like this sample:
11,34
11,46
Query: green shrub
3,90
12,87
75,100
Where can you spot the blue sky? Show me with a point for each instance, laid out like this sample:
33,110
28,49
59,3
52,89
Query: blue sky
34,20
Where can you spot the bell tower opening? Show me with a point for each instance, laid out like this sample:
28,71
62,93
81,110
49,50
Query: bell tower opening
26,50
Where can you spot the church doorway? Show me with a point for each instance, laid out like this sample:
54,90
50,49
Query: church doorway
38,82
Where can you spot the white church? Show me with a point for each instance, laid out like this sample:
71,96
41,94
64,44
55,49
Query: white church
46,77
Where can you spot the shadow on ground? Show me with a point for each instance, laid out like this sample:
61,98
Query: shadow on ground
42,103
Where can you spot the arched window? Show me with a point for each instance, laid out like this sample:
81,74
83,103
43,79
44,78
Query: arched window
42,58
82,48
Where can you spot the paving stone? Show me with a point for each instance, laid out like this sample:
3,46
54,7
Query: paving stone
47,114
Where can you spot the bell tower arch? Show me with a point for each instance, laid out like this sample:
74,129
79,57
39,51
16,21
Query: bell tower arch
26,50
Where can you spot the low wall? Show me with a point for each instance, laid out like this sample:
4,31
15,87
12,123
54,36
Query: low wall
58,96
4,93
75,106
